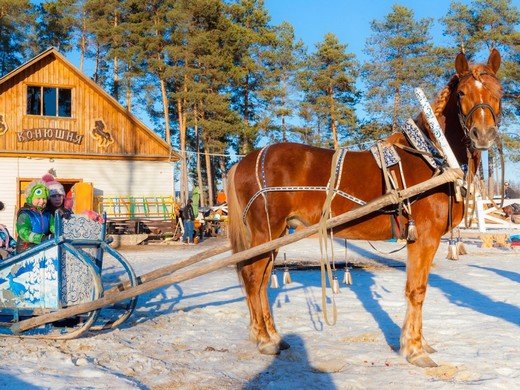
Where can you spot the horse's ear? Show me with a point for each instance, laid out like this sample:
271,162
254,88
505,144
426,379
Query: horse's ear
494,60
461,64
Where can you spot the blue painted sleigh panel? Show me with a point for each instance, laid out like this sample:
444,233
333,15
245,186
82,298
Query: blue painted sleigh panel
32,283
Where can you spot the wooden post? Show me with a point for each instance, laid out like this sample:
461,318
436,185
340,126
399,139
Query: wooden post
393,197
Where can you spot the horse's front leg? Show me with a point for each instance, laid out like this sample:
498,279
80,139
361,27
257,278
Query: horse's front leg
420,257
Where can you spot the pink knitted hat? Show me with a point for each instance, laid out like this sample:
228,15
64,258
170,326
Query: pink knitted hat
55,187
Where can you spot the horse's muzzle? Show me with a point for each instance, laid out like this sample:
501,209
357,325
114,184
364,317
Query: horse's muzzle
483,139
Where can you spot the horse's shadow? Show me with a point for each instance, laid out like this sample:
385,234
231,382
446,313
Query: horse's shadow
455,292
513,276
289,363
363,281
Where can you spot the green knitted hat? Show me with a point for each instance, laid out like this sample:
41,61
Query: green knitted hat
36,190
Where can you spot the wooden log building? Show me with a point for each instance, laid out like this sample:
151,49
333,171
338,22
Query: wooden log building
54,117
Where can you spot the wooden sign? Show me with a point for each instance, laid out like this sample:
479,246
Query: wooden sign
50,134
103,137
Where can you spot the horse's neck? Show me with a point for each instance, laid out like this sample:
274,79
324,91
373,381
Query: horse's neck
455,135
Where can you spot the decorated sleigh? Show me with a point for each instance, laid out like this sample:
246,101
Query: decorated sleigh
64,271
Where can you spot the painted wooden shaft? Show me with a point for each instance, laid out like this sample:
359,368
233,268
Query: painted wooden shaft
157,273
394,197
436,129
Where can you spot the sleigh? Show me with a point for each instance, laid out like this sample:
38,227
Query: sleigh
62,272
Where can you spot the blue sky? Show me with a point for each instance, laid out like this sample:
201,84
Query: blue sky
349,20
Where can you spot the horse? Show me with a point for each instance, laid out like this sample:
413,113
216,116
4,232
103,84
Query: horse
468,110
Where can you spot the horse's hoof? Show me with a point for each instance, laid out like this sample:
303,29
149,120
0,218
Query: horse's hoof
421,360
268,348
283,345
428,348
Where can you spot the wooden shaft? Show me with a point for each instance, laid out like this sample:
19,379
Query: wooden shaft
157,273
449,175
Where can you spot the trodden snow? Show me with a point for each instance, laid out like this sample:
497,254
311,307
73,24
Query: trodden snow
194,335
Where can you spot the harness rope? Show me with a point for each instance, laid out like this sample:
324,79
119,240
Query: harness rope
326,213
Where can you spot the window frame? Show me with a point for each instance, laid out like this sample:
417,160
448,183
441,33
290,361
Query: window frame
58,89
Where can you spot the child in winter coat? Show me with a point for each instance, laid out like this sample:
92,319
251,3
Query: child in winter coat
56,201
34,224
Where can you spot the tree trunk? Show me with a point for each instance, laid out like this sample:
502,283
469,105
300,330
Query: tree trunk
209,175
333,124
199,165
166,108
182,143
397,102
245,143
98,60
284,126
222,163
129,95
82,43
115,90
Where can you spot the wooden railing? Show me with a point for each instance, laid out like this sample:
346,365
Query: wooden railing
137,207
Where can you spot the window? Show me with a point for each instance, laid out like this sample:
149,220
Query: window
49,101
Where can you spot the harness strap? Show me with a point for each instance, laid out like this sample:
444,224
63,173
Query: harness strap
261,157
383,166
298,188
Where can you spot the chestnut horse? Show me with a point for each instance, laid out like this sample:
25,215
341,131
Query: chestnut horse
468,110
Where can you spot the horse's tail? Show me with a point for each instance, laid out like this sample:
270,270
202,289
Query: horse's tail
238,232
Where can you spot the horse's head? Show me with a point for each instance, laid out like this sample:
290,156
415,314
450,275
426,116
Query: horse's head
478,96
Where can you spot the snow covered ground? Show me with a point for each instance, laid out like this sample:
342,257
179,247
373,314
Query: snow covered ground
194,335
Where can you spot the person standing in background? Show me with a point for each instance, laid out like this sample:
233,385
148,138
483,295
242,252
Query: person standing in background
188,218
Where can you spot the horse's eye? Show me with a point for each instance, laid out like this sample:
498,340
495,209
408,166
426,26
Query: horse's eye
460,94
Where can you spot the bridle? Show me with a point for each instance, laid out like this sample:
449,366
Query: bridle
463,119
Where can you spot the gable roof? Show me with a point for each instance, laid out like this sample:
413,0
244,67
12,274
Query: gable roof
174,155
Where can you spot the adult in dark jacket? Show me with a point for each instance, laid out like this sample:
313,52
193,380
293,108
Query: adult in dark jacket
188,218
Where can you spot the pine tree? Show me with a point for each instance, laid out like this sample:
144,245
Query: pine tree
328,84
401,57
283,61
16,18
250,36
56,24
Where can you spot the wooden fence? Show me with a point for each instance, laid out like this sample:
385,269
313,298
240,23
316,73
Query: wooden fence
137,207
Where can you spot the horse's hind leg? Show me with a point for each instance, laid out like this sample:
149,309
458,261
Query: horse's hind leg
266,309
420,256
255,275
